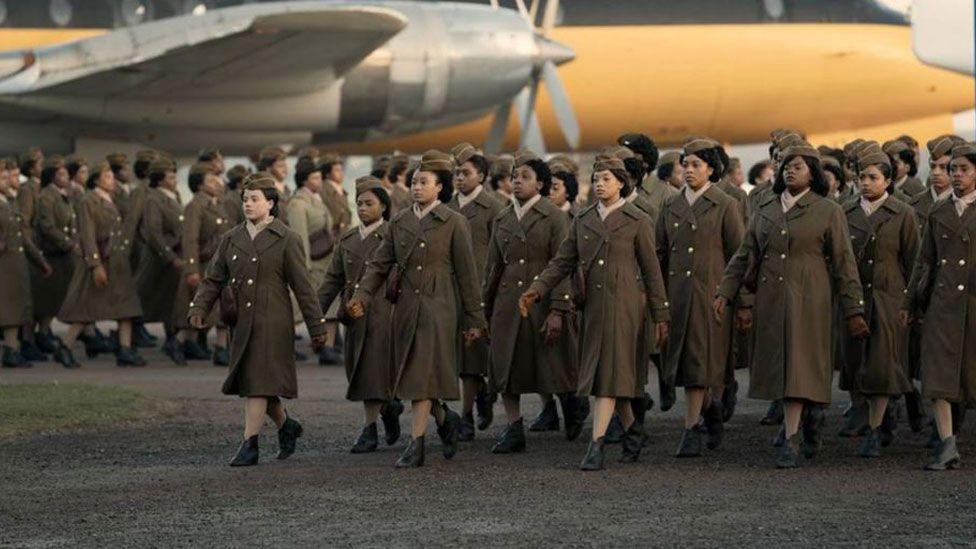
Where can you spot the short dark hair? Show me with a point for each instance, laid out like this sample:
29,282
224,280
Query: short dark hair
622,176
542,173
908,157
571,183
157,177
756,170
818,182
382,196
47,175
480,163
96,172
838,173
643,146
716,158
304,169
269,194
141,168
268,161
326,167
209,155
635,169
195,180
664,171
395,170
74,165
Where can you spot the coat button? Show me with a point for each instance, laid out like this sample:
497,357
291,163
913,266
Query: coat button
600,262
520,283
254,260
586,237
943,262
521,262
780,278
687,273
677,224
870,262
782,256
962,262
691,249
599,286
416,291
960,287
250,282
423,244
868,285
233,281
566,296
233,257
783,232
248,304
420,267
20,248
694,227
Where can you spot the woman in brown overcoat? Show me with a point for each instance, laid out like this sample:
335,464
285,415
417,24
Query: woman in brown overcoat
884,236
698,231
369,366
160,260
536,354
429,255
795,260
610,253
334,197
56,234
477,204
257,262
942,291
103,286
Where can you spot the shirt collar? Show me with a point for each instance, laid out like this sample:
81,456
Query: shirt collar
305,192
423,213
693,196
104,195
253,229
900,182
464,200
945,194
787,199
604,211
870,207
522,209
366,230
567,206
169,194
337,186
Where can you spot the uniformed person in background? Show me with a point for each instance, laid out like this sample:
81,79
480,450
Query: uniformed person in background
230,202
650,187
500,177
430,259
369,365
913,181
274,161
669,171
905,166
28,184
102,285
394,181
336,201
480,209
941,292
261,260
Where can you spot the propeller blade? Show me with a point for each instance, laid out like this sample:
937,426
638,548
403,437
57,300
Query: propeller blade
534,10
530,136
499,127
520,4
549,16
565,116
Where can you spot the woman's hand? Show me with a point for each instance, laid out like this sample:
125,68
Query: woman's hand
526,301
193,280
661,333
743,319
100,276
718,307
472,335
552,328
318,343
904,319
197,322
857,327
356,308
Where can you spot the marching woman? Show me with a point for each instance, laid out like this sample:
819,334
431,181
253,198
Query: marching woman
369,366
253,268
334,197
102,285
431,265
884,237
56,234
698,231
942,292
536,354
607,245
160,263
904,165
795,260
480,208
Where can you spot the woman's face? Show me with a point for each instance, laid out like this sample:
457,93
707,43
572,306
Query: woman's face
505,185
766,175
608,187
939,173
901,167
558,193
169,181
61,179
797,174
212,185
526,185
279,170
963,174
872,182
106,181
369,208
81,176
314,182
4,181
832,181
696,171
256,206
467,178
424,188
336,173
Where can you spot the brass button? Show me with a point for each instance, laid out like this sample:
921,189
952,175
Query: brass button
250,282
600,262
248,304
960,287
780,278
691,249
962,262
943,262
687,273
676,224
423,244
598,286
782,256
783,232
520,283
521,261
234,257
420,267
870,262
254,260
20,248
416,291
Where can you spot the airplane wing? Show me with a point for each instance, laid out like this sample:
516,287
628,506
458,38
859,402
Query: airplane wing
268,49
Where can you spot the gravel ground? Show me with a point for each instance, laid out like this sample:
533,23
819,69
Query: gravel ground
165,482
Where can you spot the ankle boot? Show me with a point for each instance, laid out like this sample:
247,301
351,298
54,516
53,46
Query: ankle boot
572,415
466,428
871,445
448,432
615,431
221,356
368,440
714,425
13,359
413,455
633,443
141,336
774,414
916,411
247,454
786,455
593,460
288,435
128,356
484,403
47,342
946,456
390,415
857,421
512,439
64,357
691,443
730,399
547,420
813,421
193,351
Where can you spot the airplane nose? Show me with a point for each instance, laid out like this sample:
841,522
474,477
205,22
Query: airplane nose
551,50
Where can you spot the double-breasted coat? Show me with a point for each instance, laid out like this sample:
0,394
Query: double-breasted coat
656,191
337,204
923,203
368,345
437,268
795,263
16,248
480,213
104,242
203,225
232,206
56,234
912,186
623,284
885,245
694,244
161,230
307,215
943,292
647,345
521,360
260,273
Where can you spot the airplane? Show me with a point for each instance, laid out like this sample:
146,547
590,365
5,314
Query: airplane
373,76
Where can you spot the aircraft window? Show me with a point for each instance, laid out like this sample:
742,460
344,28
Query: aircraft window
134,11
60,12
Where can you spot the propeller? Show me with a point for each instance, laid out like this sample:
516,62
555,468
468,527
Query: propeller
550,54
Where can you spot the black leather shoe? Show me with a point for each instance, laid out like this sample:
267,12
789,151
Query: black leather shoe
857,422
813,422
175,352
30,352
288,435
96,344
193,351
13,359
640,405
47,342
946,456
512,439
247,454
730,399
668,394
888,425
368,441
330,356
572,415
593,460
390,415
484,403
917,417
64,357
128,356
413,455
871,445
787,456
615,431
203,343
714,425
141,337
448,432
780,438
691,444
934,437
774,414
633,443
466,427
547,420
221,357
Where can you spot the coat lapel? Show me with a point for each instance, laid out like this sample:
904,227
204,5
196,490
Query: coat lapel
269,236
801,206
592,222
